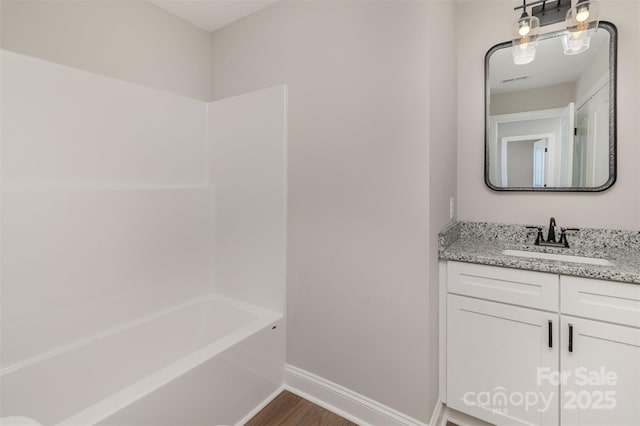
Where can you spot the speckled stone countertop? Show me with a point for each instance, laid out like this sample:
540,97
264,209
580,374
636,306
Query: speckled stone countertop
483,243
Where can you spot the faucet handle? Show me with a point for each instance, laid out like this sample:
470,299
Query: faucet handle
540,236
563,235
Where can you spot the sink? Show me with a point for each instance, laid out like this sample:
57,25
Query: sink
560,257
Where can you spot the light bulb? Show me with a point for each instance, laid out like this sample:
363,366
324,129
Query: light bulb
524,28
583,14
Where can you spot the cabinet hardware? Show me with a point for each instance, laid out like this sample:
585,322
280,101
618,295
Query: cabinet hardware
550,334
570,337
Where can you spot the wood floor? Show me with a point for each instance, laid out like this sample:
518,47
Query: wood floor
288,409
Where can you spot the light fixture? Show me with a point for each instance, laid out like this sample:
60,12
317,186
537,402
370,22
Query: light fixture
581,21
547,11
525,40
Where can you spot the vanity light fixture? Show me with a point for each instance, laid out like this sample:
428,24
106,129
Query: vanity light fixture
548,11
525,43
581,21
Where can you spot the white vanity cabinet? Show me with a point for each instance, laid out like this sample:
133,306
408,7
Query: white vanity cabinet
507,357
604,388
494,353
601,320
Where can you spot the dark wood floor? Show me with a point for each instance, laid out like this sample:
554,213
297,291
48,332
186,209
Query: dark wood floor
288,409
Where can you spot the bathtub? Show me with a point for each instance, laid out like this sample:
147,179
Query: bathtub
206,362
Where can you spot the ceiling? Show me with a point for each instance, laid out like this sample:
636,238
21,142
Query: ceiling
211,15
550,67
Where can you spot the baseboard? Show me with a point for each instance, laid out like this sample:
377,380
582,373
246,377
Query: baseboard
354,406
345,402
438,414
457,418
260,406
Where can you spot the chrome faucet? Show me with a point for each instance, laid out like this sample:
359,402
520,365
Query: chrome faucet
551,237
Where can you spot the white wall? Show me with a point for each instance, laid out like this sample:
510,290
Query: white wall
618,207
361,302
557,96
247,136
594,76
106,209
127,39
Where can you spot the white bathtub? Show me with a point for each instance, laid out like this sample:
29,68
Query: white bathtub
207,362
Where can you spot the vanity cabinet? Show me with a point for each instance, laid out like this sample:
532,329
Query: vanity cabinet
608,356
508,355
603,319
494,353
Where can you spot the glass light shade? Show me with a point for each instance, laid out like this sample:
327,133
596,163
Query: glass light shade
583,17
574,43
523,50
525,41
581,21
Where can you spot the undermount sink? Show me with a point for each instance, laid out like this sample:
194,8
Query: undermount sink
560,257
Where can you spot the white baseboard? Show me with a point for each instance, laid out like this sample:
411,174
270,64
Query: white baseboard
347,403
354,406
260,406
438,414
457,418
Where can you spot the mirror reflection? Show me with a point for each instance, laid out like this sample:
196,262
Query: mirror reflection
550,123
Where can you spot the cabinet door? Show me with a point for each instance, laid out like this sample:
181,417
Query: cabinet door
495,354
602,385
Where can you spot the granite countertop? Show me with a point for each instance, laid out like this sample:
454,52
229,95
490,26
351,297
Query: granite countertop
483,243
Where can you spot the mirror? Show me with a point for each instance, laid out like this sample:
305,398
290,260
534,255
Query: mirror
550,125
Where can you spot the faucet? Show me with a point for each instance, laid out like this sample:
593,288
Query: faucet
551,237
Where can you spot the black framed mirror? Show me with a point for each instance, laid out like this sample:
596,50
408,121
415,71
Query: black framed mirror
550,124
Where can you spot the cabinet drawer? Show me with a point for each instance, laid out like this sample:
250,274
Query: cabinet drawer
601,300
537,290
